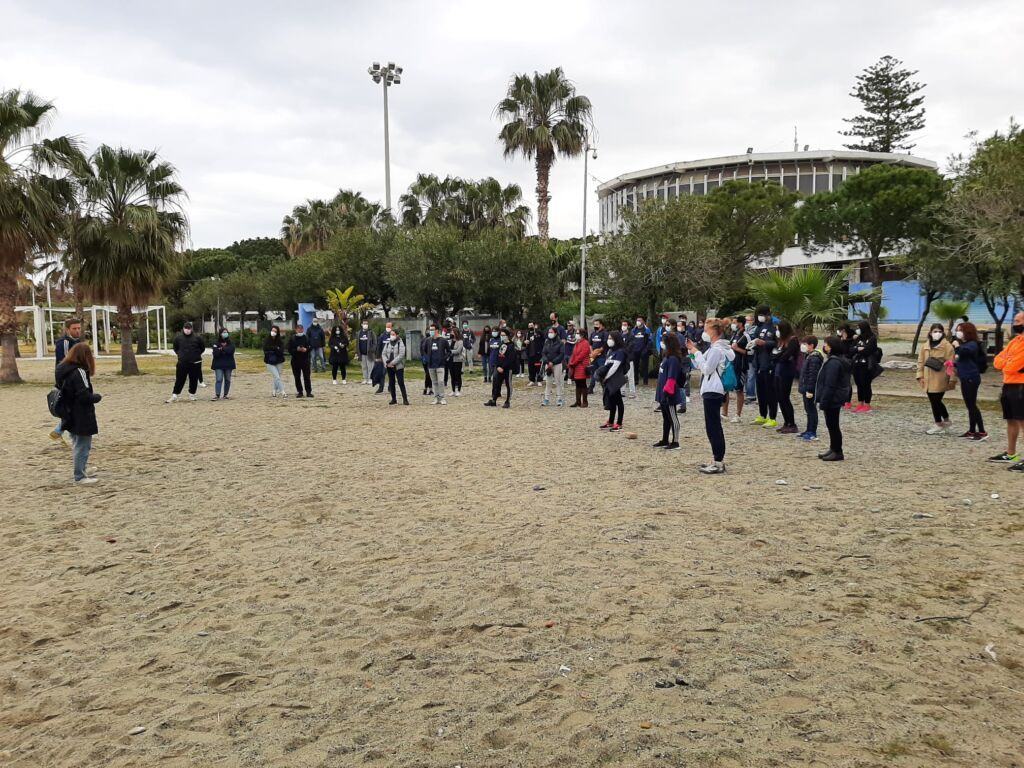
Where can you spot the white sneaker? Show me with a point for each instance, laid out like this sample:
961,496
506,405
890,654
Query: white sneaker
192,398
87,481
714,468
936,430
284,395
734,420
202,384
273,394
345,382
334,382
171,399
458,394
442,401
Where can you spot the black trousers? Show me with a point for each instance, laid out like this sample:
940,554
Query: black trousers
616,407
862,378
669,423
190,371
767,402
783,393
835,435
343,367
427,385
939,411
447,372
300,371
812,413
456,371
642,368
497,379
397,376
969,389
713,424
534,365
595,367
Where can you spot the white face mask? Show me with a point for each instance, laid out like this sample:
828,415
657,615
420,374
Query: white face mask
760,318
663,346
625,328
639,323
960,335
680,329
551,335
734,327
224,335
937,335
394,338
611,342
804,348
706,336
273,333
778,334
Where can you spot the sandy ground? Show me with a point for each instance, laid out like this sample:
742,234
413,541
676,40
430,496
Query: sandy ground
335,582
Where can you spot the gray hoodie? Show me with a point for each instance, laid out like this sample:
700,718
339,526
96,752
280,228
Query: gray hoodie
394,351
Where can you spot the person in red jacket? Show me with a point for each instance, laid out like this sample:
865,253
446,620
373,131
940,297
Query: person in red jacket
578,362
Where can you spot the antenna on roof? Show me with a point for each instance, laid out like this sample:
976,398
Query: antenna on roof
796,144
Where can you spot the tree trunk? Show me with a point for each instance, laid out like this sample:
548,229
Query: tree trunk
125,318
652,307
929,297
9,328
141,347
543,163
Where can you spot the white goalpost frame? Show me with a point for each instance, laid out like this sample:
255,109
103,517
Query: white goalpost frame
42,325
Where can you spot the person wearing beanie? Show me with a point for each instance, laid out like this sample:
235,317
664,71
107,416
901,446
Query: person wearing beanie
189,348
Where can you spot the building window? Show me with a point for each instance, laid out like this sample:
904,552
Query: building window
837,181
713,185
698,189
821,182
789,182
806,184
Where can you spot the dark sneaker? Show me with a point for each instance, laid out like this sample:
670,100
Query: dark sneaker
507,405
672,447
660,444
298,394
832,456
606,425
968,435
1018,467
1006,458
491,404
980,437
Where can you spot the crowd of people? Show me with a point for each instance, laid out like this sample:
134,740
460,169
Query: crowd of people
747,359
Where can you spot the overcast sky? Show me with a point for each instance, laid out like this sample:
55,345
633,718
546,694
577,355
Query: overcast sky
261,105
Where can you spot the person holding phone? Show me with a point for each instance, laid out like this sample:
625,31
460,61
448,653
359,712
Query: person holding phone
669,394
712,363
393,357
273,358
613,375
223,364
298,348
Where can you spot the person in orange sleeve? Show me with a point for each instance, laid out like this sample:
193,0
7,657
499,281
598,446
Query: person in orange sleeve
1011,362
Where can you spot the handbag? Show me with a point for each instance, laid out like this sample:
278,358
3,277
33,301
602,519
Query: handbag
934,364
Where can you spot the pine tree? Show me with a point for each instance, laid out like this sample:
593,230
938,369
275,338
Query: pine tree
892,107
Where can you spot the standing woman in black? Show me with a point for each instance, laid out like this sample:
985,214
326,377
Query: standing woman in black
455,364
339,354
864,356
832,392
785,372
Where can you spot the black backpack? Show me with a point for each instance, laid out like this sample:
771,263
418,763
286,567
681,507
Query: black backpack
58,404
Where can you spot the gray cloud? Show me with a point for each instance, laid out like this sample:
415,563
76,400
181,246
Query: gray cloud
261,105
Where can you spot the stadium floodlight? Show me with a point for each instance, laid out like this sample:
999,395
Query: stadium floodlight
388,75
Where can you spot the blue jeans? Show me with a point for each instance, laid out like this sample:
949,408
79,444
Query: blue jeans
485,364
750,390
80,447
318,359
223,378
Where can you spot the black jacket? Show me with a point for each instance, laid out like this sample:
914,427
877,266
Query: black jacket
296,341
223,356
189,349
317,339
273,350
61,348
553,352
75,385
339,349
809,373
763,358
832,389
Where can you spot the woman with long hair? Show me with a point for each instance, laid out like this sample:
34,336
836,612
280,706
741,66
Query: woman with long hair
578,363
338,343
669,392
273,357
786,351
456,362
970,362
613,376
864,357
223,364
78,406
937,375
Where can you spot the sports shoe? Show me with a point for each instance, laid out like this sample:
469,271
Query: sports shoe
968,435
560,402
847,406
938,429
457,394
672,447
344,381
1018,467
809,437
507,404
215,397
171,399
1006,458
309,395
760,421
615,428
545,401
491,404
832,456
792,430
443,401
87,481
298,394
334,382
734,420
769,424
202,384
606,425
660,444
980,437
862,408
192,398
714,468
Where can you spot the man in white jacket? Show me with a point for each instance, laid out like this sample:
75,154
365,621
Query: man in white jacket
711,365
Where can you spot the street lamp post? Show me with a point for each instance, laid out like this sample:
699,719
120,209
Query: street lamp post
588,148
388,75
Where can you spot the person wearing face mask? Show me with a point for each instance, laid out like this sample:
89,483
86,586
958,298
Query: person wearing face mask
378,377
937,375
504,363
428,384
750,389
455,363
579,361
189,348
684,376
831,391
484,352
738,341
640,351
298,349
438,354
223,364
970,362
786,353
552,361
317,342
366,343
631,365
765,340
598,349
613,375
570,341
813,360
847,335
668,392
273,357
534,351
393,357
866,356
493,342
712,364
1011,362
468,342
338,343
519,342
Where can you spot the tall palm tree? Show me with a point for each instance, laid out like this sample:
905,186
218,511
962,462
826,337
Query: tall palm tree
132,224
34,197
544,117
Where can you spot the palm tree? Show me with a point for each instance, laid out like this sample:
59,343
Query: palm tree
132,223
544,117
806,297
34,197
950,310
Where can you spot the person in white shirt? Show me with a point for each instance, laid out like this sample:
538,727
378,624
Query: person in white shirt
711,365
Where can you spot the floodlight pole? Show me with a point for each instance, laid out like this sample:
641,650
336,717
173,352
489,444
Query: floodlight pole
388,75
587,149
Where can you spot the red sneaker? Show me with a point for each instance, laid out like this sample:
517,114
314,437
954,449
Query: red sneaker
847,406
615,428
606,425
